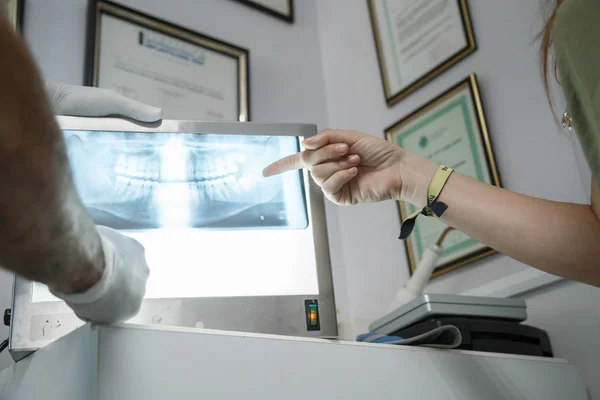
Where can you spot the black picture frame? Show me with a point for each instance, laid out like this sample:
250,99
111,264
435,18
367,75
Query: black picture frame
289,18
97,7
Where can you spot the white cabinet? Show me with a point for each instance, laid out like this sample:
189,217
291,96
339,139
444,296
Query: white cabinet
149,363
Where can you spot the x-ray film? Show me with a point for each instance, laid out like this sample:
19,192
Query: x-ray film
210,223
138,181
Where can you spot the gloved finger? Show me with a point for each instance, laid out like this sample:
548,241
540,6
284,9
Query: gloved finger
322,172
115,103
282,165
306,159
335,183
330,152
330,136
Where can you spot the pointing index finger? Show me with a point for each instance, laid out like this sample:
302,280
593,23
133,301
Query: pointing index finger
285,164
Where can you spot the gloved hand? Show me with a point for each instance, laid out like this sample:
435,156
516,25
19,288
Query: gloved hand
86,101
353,167
118,295
350,167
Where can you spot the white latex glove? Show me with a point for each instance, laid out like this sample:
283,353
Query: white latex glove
118,295
83,101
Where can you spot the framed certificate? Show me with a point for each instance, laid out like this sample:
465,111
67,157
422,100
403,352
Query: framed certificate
282,9
187,74
449,130
418,40
15,9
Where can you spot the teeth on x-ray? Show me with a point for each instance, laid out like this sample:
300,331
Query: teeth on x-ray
174,179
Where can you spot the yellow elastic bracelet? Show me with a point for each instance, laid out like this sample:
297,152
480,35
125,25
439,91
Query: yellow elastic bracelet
433,207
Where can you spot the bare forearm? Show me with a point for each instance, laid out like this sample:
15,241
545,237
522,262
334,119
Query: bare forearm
45,233
560,238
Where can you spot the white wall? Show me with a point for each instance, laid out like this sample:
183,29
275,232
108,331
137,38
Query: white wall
285,66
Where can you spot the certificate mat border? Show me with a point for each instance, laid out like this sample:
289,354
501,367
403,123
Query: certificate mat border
470,48
97,7
16,14
285,17
471,83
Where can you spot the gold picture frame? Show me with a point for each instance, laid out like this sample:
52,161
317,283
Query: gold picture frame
15,11
435,46
451,130
240,76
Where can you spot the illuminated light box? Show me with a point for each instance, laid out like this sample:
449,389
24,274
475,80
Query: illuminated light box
227,248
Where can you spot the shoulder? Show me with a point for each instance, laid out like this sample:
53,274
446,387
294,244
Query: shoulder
576,45
576,38
576,22
577,11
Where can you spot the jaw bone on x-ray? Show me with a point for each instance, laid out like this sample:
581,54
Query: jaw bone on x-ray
132,181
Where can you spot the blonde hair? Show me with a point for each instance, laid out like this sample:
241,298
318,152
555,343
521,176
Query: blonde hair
546,43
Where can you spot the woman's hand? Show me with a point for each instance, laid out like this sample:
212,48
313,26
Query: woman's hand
350,167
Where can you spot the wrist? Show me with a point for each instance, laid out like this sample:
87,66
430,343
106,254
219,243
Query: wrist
79,282
85,268
415,174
